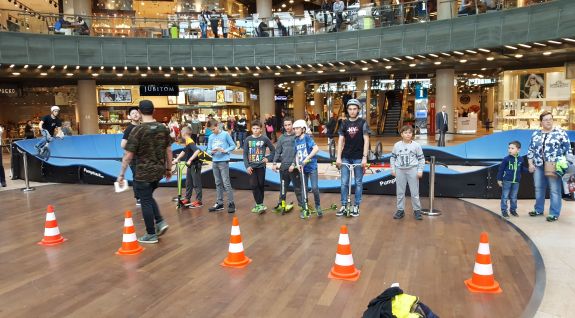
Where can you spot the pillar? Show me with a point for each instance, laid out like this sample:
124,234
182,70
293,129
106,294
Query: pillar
446,9
317,101
86,109
299,100
363,84
445,91
78,7
264,8
267,101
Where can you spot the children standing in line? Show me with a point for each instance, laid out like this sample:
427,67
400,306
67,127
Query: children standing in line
508,178
255,160
285,153
407,162
305,159
191,155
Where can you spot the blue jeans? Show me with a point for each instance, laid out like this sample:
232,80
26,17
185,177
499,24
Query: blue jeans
313,176
221,170
204,29
541,183
150,209
46,138
509,192
241,136
358,174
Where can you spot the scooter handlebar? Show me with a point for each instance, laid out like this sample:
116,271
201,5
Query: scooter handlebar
351,165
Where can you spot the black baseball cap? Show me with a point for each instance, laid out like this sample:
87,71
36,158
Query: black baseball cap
133,108
146,107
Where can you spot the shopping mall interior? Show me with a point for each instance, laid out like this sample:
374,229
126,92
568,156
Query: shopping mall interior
495,65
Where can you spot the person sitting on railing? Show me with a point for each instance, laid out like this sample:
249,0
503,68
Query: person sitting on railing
282,30
84,28
261,30
338,7
59,24
467,7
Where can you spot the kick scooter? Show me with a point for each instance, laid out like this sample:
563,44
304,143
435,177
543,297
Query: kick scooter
348,206
180,168
283,207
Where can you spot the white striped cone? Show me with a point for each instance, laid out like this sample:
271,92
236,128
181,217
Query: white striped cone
236,257
344,267
52,234
130,245
483,280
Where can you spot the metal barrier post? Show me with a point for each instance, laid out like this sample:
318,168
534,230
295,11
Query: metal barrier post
431,211
26,180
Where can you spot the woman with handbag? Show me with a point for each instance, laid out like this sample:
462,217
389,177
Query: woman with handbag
546,147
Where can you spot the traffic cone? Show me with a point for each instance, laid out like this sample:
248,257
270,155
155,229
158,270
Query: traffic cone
52,234
130,245
236,257
344,267
483,280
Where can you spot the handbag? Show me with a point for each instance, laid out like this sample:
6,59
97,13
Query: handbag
269,128
549,169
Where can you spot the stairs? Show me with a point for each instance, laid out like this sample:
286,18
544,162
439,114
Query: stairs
393,115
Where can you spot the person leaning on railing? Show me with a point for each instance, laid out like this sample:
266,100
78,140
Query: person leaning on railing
338,7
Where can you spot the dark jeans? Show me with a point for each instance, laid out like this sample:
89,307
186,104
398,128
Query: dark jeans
194,181
509,192
195,138
258,181
286,177
2,174
150,209
313,177
441,140
214,25
133,168
241,136
339,20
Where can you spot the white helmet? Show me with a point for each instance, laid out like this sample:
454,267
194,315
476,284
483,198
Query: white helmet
300,123
353,101
54,108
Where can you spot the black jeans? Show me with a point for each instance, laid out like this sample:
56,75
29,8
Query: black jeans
286,177
2,175
133,168
194,181
150,209
258,181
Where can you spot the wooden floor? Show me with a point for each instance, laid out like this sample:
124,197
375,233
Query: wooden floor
181,276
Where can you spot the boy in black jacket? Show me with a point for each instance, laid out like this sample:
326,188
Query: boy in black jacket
509,176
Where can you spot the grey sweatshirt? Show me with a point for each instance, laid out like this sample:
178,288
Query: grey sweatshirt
405,156
255,151
285,150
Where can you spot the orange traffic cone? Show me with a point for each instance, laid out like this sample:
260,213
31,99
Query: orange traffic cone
483,280
236,257
52,234
130,245
344,267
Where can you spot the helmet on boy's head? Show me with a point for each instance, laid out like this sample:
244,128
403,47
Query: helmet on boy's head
353,101
54,108
300,123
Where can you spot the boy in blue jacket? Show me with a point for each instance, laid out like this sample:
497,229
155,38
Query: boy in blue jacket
509,176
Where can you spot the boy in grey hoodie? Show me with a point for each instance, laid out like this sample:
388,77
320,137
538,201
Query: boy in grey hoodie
285,154
255,160
407,162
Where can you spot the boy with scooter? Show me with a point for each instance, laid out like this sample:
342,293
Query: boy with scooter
191,155
306,163
285,154
255,160
352,149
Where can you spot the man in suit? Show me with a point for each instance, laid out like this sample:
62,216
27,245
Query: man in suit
441,125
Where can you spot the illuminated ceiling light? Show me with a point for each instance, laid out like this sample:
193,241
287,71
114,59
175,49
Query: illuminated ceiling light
387,60
554,42
320,71
15,73
143,75
409,57
205,68
341,63
269,68
247,68
190,75
525,46
462,61
471,51
374,61
90,67
422,56
437,63
445,54
113,67
212,75
258,68
458,53
159,68
288,66
39,66
330,64
52,67
491,58
278,67
546,53
101,67
412,65
69,74
256,74
234,75
149,68
119,74
215,68
95,74
510,47
342,70
352,62
319,64
397,58
433,55
298,73
364,62
518,56
125,68
365,68
65,67
484,50
26,66
484,69
539,44
388,67
77,67
309,65
226,68
167,75
277,74
283,5
137,68
171,68
237,68
569,40
183,69
43,74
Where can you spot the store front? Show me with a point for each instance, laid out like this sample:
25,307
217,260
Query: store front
524,94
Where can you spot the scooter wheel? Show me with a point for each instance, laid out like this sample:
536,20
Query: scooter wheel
334,206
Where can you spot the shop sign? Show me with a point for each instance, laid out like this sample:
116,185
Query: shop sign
9,91
159,90
558,88
281,97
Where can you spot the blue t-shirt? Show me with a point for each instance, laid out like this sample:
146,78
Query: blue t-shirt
303,148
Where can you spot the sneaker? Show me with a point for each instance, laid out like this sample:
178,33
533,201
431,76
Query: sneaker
355,211
504,214
255,208
534,213
148,239
216,207
552,218
417,214
161,228
319,211
186,202
514,213
398,214
138,202
261,208
196,204
278,207
231,207
341,211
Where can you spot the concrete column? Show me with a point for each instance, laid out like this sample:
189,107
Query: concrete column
445,91
317,101
264,8
363,84
299,100
446,9
267,102
86,109
78,7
